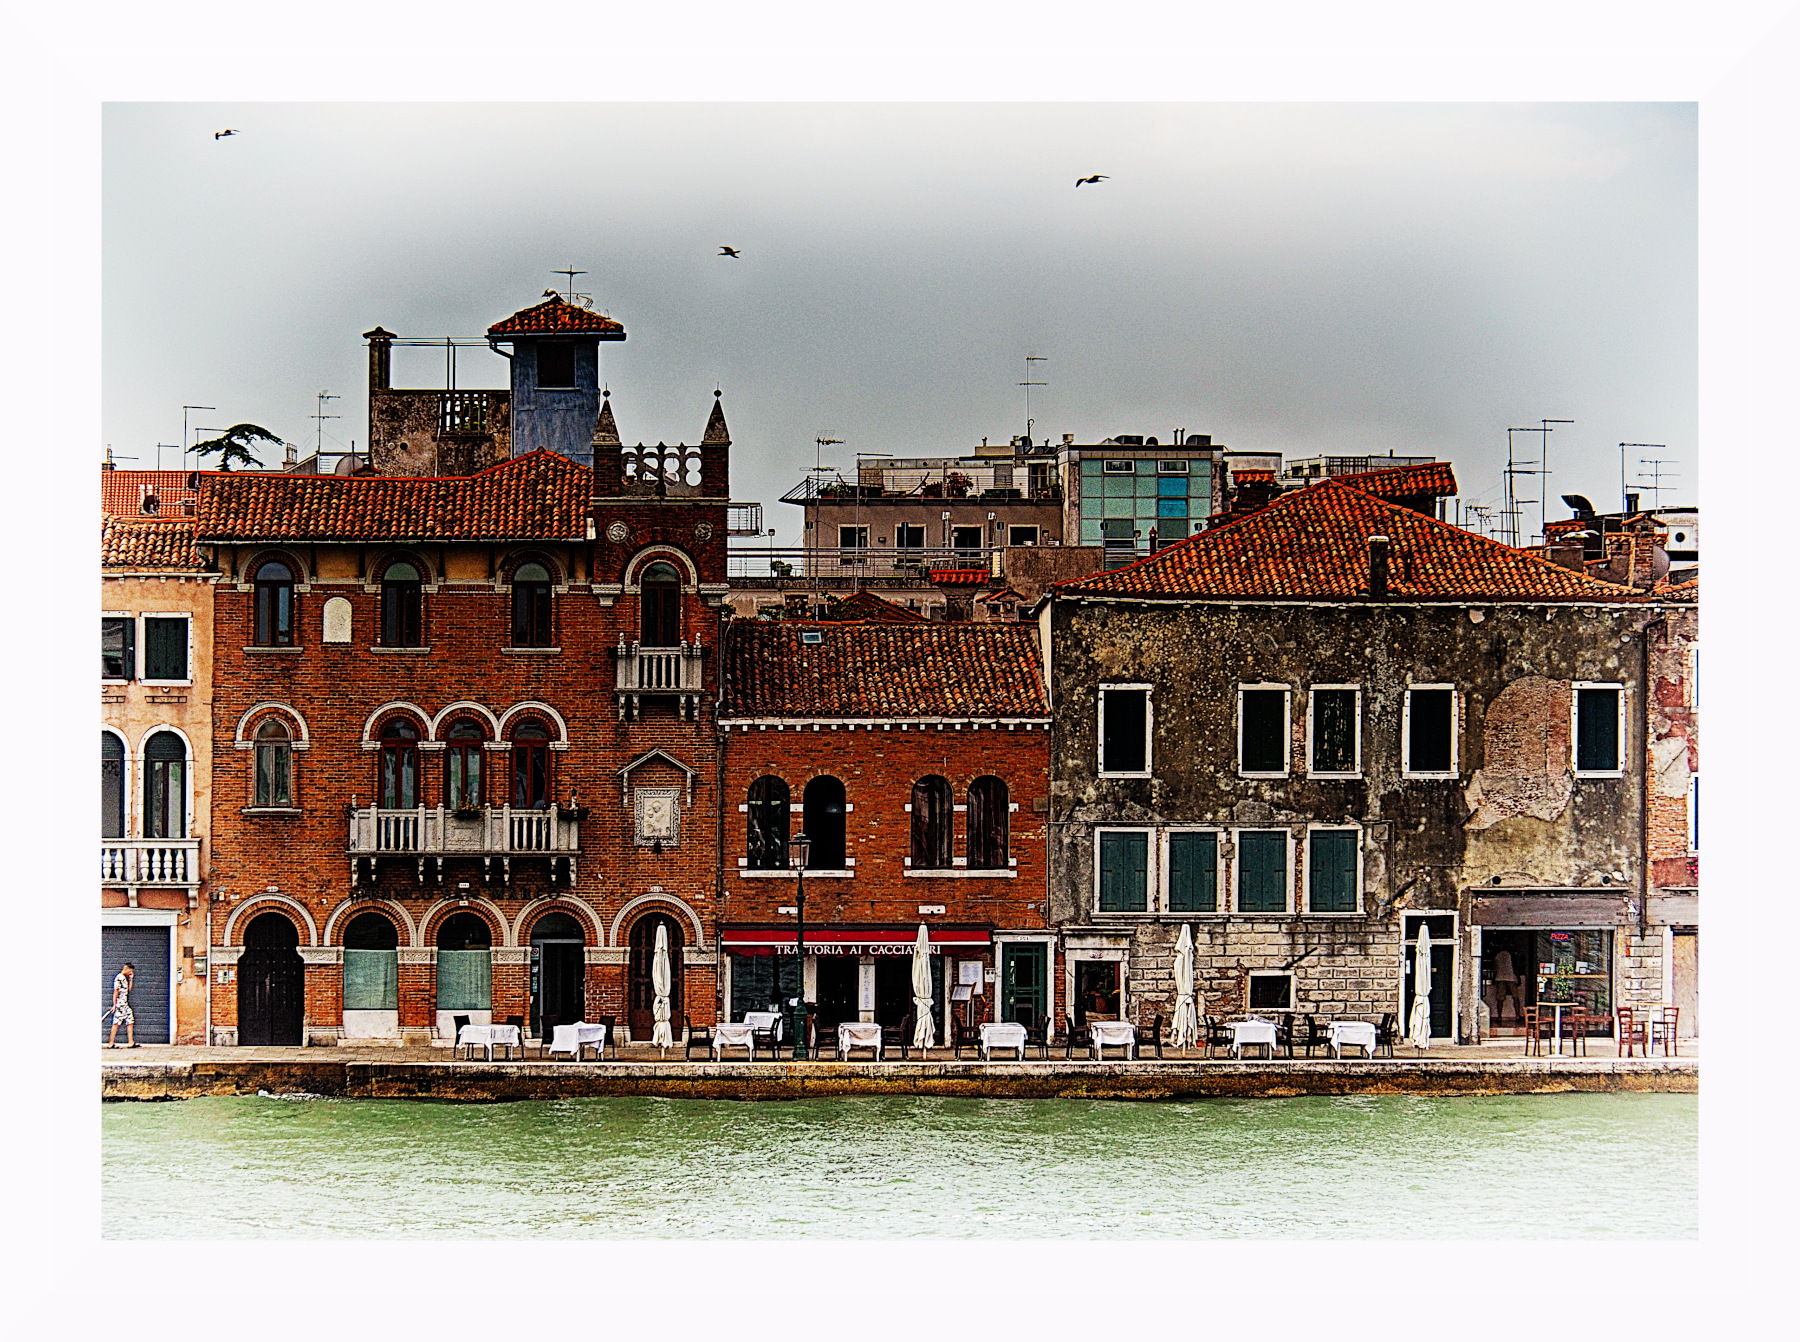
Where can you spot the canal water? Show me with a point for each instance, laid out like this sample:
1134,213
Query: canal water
1363,1167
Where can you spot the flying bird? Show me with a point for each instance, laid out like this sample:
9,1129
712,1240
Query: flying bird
727,251
1089,181
221,134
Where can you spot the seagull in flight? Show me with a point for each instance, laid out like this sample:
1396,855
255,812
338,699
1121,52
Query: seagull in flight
727,251
221,134
1095,180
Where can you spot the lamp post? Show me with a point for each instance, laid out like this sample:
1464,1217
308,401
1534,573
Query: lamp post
798,848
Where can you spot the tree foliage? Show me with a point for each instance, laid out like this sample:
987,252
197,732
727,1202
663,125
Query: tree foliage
235,444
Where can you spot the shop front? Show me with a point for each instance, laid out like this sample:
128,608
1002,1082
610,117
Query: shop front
1541,966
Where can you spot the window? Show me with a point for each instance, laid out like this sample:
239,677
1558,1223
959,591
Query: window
165,787
822,814
908,537
1693,813
967,541
1124,870
531,606
1118,466
1431,730
1333,731
1125,731
400,603
853,538
530,767
766,824
659,606
1599,722
1021,535
1262,870
1263,730
274,602
1272,992
1166,467
1193,871
462,764
1331,880
932,831
399,765
165,647
274,764
118,649
988,815
112,786
556,363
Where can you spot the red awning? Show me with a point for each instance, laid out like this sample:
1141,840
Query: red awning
849,940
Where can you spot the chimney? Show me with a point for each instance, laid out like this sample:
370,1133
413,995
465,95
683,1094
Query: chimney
1378,568
381,346
1631,503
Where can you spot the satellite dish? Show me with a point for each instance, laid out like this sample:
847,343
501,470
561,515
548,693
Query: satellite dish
1580,504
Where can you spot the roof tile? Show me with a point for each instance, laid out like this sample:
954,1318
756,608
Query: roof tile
146,544
555,317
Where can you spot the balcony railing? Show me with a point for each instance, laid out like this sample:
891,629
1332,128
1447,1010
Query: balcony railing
641,671
427,830
465,413
150,862
871,561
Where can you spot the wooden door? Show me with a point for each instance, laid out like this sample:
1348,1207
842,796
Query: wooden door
1687,981
1024,983
640,989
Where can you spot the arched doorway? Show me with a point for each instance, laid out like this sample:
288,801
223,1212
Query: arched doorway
640,999
271,982
371,977
465,982
558,973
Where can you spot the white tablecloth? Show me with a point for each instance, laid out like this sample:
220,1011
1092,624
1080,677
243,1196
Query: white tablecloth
1252,1032
765,1020
571,1038
1347,1032
1113,1034
727,1035
859,1034
1002,1034
488,1035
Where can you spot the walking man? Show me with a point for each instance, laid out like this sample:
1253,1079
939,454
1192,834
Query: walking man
121,1008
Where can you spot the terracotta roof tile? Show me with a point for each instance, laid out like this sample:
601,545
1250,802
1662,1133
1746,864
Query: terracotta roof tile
931,670
555,317
122,493
1312,544
1435,478
145,545
865,605
539,496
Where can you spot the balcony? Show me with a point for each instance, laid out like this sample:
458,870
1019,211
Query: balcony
886,565
496,834
165,862
641,672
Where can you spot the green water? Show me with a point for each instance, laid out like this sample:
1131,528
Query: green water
1403,1167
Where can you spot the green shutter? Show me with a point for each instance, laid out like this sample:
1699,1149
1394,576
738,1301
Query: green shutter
1193,872
1262,871
464,981
1331,871
165,649
1124,868
371,980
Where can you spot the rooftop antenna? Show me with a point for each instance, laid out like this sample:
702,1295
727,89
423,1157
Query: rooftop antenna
159,452
321,417
1028,384
1623,503
1544,466
823,443
186,442
571,273
1654,484
1509,515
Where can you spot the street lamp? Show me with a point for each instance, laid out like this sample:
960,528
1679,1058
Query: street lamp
798,848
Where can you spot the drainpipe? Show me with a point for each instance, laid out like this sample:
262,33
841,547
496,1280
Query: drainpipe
1643,771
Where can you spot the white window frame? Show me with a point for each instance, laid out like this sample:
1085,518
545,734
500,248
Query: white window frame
1221,892
1355,770
1693,815
1624,743
143,644
861,532
135,632
1350,827
1151,855
1287,731
1149,729
1406,769
1036,533
1237,868
1254,974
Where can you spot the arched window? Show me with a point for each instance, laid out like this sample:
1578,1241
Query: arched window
530,767
531,606
767,837
464,964
371,932
400,602
165,787
462,764
371,964
399,765
988,823
274,598
274,764
112,786
932,824
660,606
823,817
464,932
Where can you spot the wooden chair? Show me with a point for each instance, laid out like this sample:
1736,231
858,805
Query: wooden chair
1540,1025
1284,1034
1668,1028
1385,1034
898,1037
1075,1037
696,1034
456,1027
1632,1035
612,1033
1149,1036
543,1041
1217,1034
1039,1035
964,1036
1311,1035
1576,1026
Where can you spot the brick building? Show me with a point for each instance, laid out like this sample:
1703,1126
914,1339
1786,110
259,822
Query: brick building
915,758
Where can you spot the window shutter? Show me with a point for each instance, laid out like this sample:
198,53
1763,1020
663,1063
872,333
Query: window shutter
371,980
464,980
1124,867
165,649
1262,871
1334,731
1331,871
118,649
1193,873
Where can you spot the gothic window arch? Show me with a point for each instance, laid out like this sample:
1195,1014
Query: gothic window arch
933,835
766,839
988,823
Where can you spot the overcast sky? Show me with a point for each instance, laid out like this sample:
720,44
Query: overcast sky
1301,278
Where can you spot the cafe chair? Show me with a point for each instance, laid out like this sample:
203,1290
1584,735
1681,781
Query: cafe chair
546,1033
1632,1034
1385,1034
1667,1027
456,1028
700,1035
1284,1034
1075,1037
898,1037
966,1036
1576,1025
1310,1035
1149,1036
1038,1035
1217,1034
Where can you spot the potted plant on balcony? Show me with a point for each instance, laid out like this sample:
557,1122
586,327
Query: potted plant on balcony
466,812
956,485
574,812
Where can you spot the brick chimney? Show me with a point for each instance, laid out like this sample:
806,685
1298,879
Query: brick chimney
1378,567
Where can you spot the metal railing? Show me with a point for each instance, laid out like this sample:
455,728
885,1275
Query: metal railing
464,412
439,829
150,862
873,561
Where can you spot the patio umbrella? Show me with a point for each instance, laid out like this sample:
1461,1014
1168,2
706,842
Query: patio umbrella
1185,1028
661,1035
1419,1029
924,1029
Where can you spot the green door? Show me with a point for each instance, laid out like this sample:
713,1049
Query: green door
1025,982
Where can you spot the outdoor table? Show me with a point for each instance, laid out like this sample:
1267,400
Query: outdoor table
1557,1007
573,1038
768,1022
1002,1034
1252,1031
507,1036
1113,1034
859,1034
1345,1033
726,1035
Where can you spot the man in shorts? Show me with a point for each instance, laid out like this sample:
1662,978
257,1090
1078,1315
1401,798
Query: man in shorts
121,1008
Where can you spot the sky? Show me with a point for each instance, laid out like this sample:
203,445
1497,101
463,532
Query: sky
1296,277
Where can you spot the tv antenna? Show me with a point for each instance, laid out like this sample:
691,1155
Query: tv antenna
1654,484
585,299
822,443
321,417
1028,384
159,452
1509,514
1623,502
186,442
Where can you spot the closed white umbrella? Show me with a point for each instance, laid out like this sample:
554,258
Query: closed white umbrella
660,982
1419,1030
1185,1028
924,1028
